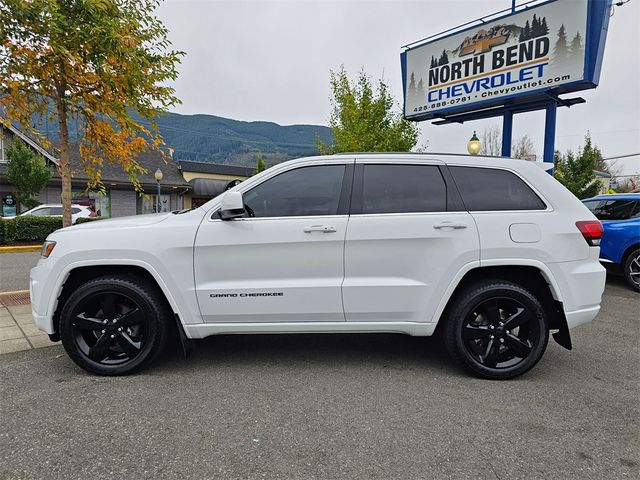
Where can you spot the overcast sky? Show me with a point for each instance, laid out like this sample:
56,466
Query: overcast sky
268,60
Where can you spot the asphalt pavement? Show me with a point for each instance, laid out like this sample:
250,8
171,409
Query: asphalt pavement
14,270
331,406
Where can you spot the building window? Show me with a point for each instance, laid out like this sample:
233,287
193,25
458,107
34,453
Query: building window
101,204
148,203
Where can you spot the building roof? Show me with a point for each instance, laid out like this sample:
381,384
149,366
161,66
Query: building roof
219,168
28,140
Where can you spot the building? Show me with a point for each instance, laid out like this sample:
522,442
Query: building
207,180
119,198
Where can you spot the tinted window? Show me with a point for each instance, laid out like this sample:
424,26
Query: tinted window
75,210
614,209
301,192
485,189
403,189
56,211
41,212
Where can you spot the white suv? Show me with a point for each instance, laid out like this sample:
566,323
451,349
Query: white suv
55,210
493,253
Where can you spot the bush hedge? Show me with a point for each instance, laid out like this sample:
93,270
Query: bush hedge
28,228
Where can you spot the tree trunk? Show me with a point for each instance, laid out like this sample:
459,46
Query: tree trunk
65,168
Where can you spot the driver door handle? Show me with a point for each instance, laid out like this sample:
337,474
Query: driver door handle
320,228
454,225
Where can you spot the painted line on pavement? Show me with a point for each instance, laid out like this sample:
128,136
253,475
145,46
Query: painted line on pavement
20,248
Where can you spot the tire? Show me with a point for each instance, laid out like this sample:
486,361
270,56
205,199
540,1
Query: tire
632,269
114,325
477,332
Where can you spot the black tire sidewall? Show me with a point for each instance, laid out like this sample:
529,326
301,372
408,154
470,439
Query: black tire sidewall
469,299
627,269
141,294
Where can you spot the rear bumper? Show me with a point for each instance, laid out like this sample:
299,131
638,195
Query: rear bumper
578,317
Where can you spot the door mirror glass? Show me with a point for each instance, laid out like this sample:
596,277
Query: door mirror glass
232,206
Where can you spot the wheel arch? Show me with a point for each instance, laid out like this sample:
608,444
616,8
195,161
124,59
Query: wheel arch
536,278
77,274
627,252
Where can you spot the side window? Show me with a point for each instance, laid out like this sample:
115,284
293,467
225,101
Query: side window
56,211
491,189
403,189
41,212
301,192
616,209
75,210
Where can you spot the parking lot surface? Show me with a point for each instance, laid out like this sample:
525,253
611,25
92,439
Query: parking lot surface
331,406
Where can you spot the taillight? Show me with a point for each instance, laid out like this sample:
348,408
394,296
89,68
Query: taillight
591,231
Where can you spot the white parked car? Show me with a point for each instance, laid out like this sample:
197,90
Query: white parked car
55,210
491,252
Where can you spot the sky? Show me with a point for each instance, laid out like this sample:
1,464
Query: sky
271,61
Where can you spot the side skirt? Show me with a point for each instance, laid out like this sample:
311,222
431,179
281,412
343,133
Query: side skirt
410,328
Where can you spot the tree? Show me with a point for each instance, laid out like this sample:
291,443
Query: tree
491,141
102,63
27,172
577,171
261,166
560,51
523,148
364,120
576,48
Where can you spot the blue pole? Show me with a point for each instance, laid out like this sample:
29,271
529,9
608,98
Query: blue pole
550,133
507,133
513,5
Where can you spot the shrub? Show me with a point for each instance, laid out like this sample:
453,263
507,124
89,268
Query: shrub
88,219
35,229
7,230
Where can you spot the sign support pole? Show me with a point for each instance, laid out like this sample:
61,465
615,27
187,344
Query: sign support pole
507,133
550,131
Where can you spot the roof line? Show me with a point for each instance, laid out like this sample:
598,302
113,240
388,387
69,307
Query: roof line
28,140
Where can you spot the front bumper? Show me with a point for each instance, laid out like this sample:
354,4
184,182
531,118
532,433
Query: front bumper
40,294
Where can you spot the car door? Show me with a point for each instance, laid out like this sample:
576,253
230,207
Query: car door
408,236
282,262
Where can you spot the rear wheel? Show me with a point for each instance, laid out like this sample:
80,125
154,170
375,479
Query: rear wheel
497,329
632,269
114,325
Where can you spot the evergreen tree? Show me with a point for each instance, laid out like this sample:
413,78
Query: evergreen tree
421,88
535,27
543,27
577,50
261,166
576,171
561,51
26,171
412,84
434,62
526,31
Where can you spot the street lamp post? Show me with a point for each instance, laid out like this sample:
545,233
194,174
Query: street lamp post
473,147
158,176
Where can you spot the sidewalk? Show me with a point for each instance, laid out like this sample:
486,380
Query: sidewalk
17,329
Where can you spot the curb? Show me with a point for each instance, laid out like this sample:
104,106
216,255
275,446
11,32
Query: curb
20,248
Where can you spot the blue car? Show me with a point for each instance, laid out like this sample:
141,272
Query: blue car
620,244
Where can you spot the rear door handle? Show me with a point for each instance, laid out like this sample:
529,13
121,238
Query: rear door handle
320,228
454,225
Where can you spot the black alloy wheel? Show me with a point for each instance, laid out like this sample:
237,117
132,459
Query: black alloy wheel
497,329
109,327
114,325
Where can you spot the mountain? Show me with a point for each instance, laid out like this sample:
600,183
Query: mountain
208,138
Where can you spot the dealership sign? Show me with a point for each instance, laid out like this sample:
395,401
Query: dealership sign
554,46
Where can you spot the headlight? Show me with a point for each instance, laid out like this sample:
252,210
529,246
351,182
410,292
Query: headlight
47,248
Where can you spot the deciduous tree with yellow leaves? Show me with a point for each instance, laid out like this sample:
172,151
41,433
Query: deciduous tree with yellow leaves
103,63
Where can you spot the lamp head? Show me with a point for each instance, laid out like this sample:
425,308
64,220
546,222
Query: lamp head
473,147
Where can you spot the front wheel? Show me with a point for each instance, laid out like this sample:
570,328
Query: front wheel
497,329
114,325
632,270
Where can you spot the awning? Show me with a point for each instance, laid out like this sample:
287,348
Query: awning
208,187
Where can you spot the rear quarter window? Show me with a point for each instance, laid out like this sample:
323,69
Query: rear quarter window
492,189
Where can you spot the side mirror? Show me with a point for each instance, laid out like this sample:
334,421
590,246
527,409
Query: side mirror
232,206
